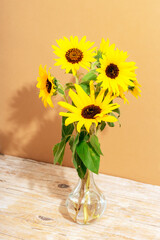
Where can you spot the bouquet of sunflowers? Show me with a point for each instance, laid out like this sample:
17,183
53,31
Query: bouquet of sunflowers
90,101
90,106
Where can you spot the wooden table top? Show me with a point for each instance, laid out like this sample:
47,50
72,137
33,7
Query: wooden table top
32,205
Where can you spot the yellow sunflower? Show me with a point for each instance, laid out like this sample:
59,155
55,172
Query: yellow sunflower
74,54
115,72
135,89
104,46
88,109
46,85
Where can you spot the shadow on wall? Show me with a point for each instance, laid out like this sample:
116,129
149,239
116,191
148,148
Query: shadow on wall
33,131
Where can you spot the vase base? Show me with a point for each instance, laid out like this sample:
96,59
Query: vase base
88,210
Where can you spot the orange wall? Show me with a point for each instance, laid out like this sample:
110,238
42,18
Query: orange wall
29,28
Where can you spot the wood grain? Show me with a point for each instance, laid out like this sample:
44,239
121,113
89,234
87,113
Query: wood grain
32,205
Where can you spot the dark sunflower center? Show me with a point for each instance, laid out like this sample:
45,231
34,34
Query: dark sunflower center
74,55
48,86
112,71
90,111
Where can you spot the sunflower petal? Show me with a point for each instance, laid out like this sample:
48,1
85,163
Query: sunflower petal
110,107
68,106
72,119
49,101
100,96
65,114
75,98
85,99
88,124
107,100
109,119
80,124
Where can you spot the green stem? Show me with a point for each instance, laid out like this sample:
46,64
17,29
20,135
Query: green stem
84,187
65,98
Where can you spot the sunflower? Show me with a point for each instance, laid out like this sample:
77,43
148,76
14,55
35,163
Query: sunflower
135,89
104,46
46,85
74,54
115,72
88,109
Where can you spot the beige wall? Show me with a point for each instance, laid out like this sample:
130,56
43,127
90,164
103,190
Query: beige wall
29,28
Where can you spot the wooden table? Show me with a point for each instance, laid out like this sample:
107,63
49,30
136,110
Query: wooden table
32,205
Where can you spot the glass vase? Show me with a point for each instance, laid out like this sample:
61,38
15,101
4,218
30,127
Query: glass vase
86,202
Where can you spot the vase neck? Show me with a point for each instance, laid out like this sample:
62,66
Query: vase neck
88,179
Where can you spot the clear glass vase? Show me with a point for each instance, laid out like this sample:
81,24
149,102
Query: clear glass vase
86,202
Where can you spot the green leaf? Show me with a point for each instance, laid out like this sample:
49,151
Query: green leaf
89,157
55,81
59,148
55,148
71,141
95,144
78,164
69,85
110,124
99,55
60,91
102,125
89,76
85,87
117,110
80,167
58,151
76,141
66,130
83,135
131,88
